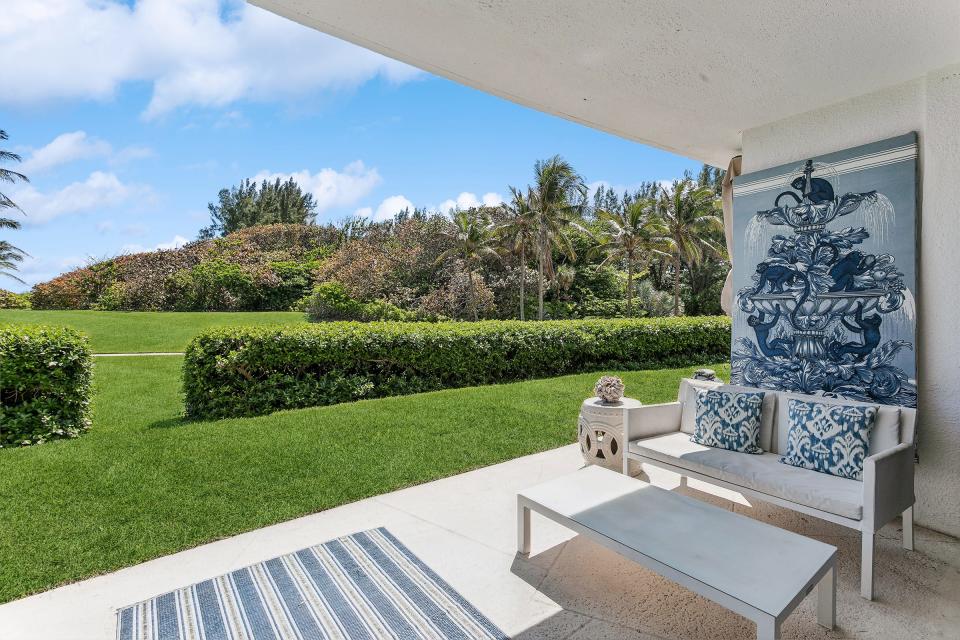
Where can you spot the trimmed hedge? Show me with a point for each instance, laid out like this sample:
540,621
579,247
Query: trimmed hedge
45,389
256,370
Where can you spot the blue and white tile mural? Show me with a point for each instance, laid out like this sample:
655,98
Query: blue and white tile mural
825,273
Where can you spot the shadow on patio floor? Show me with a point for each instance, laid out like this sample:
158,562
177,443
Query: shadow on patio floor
605,596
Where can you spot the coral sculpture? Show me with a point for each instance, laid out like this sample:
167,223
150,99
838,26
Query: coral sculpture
609,389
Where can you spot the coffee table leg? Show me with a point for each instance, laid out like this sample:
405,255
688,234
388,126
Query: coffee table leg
523,528
768,628
827,599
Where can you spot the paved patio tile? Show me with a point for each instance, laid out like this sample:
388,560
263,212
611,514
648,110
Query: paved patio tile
569,588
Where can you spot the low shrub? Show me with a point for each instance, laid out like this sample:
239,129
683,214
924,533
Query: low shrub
647,303
331,302
44,384
294,281
213,286
246,371
11,300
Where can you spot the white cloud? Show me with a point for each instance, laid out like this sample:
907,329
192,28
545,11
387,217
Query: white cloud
390,207
192,52
98,191
331,188
105,225
492,199
177,242
467,200
74,146
65,148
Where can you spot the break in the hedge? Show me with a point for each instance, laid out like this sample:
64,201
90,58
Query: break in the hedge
45,375
256,370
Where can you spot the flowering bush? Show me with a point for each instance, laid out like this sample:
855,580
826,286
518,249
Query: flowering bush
44,384
10,300
243,371
260,268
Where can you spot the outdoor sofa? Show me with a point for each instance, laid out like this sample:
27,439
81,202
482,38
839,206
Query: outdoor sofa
659,435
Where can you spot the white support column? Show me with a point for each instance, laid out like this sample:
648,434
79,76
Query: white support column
827,599
866,565
908,529
523,528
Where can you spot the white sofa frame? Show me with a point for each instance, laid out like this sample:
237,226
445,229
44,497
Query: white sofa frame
887,480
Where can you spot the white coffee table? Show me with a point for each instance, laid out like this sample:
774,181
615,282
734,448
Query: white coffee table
751,568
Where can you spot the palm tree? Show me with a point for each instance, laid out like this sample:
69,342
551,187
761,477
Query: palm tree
10,255
517,229
473,240
689,214
564,278
632,233
556,200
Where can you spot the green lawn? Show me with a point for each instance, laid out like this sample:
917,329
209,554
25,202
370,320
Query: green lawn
143,483
144,331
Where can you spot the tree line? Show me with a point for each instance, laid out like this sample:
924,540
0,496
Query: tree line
669,235
657,249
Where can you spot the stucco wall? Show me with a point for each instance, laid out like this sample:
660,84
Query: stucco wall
930,106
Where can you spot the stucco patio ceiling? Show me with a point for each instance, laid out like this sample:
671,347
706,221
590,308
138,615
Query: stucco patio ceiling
683,76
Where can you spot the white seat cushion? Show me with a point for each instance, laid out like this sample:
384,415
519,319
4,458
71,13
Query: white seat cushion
763,473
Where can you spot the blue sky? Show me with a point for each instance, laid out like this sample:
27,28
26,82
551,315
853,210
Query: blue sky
128,130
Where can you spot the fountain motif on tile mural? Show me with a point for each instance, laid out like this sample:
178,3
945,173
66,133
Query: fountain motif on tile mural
817,302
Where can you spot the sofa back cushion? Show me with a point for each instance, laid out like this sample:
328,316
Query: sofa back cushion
729,420
688,398
828,437
884,434
768,414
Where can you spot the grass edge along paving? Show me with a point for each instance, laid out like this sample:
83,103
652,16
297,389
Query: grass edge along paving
144,483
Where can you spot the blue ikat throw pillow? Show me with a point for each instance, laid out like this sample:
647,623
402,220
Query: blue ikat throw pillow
728,420
829,438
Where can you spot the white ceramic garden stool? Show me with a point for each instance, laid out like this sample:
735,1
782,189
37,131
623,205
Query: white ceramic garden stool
600,431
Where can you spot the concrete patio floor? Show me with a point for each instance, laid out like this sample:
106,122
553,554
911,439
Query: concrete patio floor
464,527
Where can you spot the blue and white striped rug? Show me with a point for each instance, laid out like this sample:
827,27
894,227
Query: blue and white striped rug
366,585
